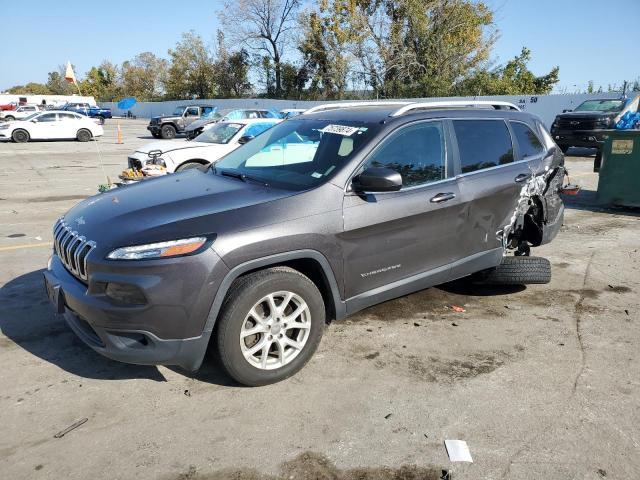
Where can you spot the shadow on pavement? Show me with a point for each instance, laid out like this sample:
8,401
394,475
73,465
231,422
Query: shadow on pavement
587,200
28,321
466,287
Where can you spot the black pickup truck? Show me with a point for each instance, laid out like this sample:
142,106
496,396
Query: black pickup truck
585,126
167,126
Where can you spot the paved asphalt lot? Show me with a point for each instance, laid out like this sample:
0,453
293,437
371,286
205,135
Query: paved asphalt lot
542,382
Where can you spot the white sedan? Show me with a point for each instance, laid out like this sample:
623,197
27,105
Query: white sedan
51,125
211,145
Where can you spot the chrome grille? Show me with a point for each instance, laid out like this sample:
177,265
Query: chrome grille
72,249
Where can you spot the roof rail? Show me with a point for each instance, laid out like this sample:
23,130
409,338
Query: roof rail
332,106
497,104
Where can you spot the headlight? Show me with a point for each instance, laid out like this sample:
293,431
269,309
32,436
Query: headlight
172,248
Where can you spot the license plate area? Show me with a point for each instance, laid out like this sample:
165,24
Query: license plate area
54,292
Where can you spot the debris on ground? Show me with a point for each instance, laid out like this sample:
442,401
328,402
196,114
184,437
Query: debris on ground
458,451
416,324
626,311
454,324
457,308
386,417
62,433
187,393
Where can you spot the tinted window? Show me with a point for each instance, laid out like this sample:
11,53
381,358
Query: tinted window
483,144
67,116
47,117
528,142
416,152
192,112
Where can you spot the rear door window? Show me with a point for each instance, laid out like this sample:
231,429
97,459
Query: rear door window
417,152
482,144
528,143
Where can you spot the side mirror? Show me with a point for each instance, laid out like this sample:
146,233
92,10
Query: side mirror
245,139
377,179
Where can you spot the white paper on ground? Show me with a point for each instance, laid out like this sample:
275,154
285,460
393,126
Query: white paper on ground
458,451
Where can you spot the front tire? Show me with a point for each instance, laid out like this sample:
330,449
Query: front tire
189,166
564,148
168,132
83,135
270,325
20,136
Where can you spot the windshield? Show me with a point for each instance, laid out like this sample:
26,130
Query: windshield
600,106
219,133
179,111
298,154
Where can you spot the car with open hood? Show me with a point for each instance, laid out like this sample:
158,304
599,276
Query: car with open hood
206,148
322,215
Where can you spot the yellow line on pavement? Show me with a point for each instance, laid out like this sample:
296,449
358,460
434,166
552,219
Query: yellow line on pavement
20,247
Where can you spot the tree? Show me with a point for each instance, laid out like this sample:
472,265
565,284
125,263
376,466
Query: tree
231,71
144,77
191,70
56,83
513,78
399,47
30,88
101,82
263,26
323,51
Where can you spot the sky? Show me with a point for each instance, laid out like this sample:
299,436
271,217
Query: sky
588,39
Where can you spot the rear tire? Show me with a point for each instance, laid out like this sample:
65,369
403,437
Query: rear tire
83,135
168,132
20,136
286,348
100,119
519,270
10,118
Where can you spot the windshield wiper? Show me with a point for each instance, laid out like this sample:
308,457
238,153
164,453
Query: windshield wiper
240,176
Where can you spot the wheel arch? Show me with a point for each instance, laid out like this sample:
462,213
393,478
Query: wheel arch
201,161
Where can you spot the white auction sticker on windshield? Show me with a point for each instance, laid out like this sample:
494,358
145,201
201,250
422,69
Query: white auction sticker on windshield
340,130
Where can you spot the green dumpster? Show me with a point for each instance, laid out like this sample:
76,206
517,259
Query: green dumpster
619,182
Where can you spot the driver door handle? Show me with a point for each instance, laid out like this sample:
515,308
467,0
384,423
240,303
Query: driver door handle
523,177
443,197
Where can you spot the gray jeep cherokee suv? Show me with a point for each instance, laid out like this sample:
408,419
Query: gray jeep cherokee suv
317,218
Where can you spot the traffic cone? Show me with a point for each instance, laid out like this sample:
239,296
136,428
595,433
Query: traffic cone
119,140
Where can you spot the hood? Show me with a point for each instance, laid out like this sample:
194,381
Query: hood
166,117
200,123
168,145
164,208
587,115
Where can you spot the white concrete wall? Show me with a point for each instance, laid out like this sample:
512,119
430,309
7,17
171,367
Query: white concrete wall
50,99
545,106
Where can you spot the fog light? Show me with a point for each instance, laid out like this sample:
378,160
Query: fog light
125,294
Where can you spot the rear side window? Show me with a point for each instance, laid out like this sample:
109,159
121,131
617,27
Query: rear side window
416,152
67,116
483,144
256,129
528,143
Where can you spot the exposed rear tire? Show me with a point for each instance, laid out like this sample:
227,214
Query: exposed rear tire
83,135
285,310
20,136
168,132
518,270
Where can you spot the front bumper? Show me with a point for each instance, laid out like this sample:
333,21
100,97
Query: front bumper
169,329
154,128
579,138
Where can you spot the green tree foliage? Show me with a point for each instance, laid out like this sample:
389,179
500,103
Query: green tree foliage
231,71
56,83
101,82
513,78
144,77
31,87
191,70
